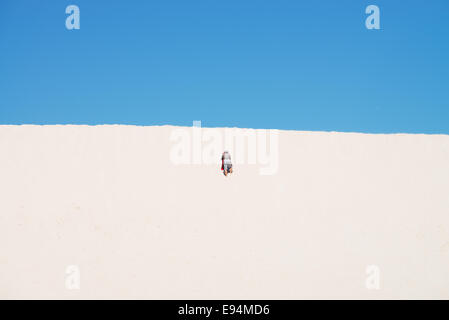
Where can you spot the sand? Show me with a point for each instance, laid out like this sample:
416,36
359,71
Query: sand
345,215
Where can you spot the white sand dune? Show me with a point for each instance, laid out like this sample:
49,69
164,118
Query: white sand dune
109,200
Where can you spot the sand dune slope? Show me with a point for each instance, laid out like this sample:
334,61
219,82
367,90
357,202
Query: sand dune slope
345,215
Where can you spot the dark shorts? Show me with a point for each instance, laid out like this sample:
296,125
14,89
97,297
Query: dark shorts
226,167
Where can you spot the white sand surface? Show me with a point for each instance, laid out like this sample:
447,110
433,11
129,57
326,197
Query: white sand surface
108,200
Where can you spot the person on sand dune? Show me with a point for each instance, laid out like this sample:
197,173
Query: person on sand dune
226,164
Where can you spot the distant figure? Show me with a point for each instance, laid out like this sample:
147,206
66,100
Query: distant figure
226,164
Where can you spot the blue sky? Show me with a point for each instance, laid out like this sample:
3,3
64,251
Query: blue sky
303,65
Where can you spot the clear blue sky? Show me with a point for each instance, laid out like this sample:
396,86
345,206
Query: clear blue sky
286,64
